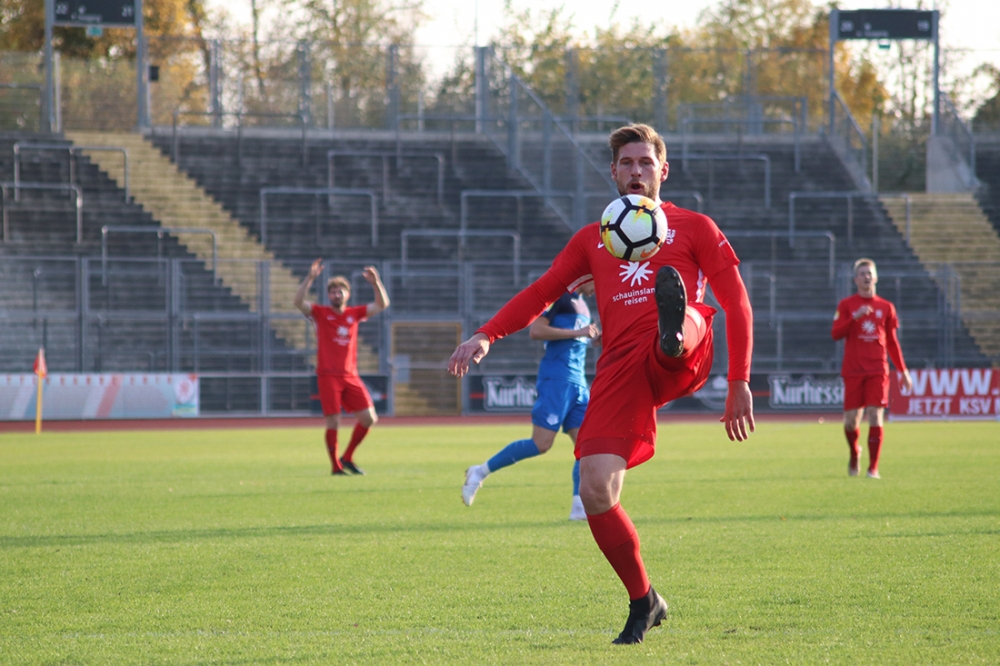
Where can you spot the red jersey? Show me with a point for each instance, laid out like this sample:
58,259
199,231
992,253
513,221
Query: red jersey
870,339
625,290
337,339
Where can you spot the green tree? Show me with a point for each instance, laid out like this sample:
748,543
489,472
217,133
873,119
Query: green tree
988,113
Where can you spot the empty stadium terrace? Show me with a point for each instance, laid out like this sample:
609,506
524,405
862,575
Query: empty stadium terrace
178,249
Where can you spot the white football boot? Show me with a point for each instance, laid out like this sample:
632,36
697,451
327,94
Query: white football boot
473,482
577,512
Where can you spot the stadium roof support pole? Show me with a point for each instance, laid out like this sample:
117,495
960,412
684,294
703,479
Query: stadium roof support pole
831,111
482,89
140,69
49,96
936,115
513,142
661,112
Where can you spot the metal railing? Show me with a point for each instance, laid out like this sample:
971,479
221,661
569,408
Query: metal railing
177,321
510,136
828,235
847,133
6,185
909,209
399,155
461,234
685,136
240,116
749,157
959,132
21,146
315,191
159,231
849,196
681,194
464,197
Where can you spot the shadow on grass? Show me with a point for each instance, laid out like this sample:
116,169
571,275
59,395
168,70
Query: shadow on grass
293,531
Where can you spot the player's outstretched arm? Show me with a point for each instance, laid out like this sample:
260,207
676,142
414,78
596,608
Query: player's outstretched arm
299,299
471,351
370,273
738,416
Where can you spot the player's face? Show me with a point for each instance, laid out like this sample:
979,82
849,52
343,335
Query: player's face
338,296
638,171
866,278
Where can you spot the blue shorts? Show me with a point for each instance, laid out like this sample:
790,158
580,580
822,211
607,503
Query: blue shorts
559,404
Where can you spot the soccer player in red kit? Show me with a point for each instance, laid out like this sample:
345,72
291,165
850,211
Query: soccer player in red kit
868,324
340,386
657,335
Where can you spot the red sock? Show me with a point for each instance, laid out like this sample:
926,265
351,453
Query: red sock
852,443
616,537
874,447
331,448
359,434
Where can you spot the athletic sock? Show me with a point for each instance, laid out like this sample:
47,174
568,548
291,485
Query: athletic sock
359,434
331,448
616,537
512,453
576,478
874,447
852,443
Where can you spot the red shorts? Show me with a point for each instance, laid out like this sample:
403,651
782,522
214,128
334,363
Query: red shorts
347,393
866,391
630,386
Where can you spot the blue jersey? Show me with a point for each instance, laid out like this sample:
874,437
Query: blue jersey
564,359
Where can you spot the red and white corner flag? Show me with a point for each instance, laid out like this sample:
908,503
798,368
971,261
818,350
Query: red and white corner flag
40,370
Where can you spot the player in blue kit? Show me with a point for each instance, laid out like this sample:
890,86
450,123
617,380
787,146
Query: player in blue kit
562,390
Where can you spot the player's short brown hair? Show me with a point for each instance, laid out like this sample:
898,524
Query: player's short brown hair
864,261
338,281
637,133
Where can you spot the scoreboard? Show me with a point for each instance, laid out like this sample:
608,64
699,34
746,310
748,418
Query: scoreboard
108,13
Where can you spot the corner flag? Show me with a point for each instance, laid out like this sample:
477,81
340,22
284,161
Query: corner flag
40,370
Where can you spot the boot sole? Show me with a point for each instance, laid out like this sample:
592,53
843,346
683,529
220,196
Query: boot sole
671,302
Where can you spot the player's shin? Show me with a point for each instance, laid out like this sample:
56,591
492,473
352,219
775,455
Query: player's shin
874,447
616,537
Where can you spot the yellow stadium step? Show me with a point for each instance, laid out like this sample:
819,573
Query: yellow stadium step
952,229
176,200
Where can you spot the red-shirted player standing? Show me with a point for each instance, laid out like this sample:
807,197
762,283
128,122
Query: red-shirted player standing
869,325
340,386
657,347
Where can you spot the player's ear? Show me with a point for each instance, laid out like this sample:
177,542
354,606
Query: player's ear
665,171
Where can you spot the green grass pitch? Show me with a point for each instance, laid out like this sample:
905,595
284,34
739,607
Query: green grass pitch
238,547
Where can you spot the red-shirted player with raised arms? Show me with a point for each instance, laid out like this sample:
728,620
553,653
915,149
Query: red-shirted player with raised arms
657,347
340,386
869,325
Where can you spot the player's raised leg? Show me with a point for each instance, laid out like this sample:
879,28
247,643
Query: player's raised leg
681,328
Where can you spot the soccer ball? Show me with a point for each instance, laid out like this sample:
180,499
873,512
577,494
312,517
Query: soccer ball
633,227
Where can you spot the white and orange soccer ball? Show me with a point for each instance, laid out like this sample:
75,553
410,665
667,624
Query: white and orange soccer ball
633,227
